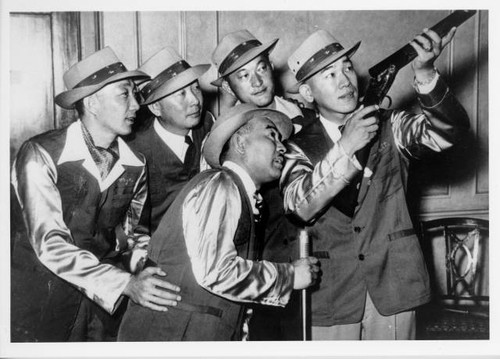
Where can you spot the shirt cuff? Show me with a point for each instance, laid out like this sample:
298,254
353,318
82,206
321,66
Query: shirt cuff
352,158
427,87
111,300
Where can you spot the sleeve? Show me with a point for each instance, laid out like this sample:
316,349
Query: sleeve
210,216
308,189
134,230
34,178
441,124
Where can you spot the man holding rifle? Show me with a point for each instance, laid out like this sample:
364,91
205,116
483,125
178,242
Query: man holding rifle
373,268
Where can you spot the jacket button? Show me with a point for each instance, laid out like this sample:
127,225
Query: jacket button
361,257
357,229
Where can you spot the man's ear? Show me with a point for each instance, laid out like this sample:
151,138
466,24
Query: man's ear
155,109
306,93
225,87
89,103
239,143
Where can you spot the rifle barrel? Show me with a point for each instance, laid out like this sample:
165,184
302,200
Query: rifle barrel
404,55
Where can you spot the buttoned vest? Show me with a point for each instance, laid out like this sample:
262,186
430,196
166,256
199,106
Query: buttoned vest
376,250
200,315
91,216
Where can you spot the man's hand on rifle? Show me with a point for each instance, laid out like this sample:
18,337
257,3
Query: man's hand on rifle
428,47
358,131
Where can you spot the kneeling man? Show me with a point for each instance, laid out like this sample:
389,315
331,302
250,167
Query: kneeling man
206,240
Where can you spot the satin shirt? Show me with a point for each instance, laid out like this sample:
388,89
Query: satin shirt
34,178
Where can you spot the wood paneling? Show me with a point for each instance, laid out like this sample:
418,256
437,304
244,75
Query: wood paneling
119,30
31,82
65,52
451,184
157,30
89,33
201,23
482,107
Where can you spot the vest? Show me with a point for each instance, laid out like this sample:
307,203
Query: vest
166,172
200,315
377,250
91,216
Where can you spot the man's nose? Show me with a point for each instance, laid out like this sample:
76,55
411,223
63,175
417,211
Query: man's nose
134,104
281,147
343,80
256,80
193,99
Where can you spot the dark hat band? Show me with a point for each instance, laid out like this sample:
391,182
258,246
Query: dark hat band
102,75
236,53
165,75
317,58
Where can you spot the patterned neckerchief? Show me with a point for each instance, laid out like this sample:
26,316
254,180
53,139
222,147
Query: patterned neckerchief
104,158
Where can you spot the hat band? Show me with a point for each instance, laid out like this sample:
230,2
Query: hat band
102,75
317,58
166,75
236,53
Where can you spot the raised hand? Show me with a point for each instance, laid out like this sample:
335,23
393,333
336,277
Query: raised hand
428,46
358,131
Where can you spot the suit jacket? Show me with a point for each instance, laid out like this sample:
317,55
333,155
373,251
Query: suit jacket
166,172
377,250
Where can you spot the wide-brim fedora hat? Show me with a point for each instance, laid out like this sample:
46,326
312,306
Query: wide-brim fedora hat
236,49
318,51
228,123
92,74
169,73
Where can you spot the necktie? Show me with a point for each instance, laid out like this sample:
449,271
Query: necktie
104,158
190,157
259,203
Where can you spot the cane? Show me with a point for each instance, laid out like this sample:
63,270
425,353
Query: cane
304,252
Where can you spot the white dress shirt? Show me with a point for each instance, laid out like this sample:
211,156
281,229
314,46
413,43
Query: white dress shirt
172,140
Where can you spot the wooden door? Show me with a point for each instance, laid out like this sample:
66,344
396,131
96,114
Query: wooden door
42,47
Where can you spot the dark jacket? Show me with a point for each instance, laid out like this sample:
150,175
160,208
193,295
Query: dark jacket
377,250
166,172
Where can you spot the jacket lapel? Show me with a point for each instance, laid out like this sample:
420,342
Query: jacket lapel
314,141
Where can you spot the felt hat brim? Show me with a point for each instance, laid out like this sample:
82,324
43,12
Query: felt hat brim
223,131
176,83
321,65
67,99
244,59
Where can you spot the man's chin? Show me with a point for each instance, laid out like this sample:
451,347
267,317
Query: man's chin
261,101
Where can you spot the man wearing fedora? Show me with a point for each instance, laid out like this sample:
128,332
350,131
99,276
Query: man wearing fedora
246,76
171,138
373,269
206,240
81,191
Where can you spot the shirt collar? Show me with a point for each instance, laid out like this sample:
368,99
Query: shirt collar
288,108
248,183
331,128
75,148
172,140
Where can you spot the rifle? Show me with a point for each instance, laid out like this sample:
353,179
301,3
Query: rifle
382,76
